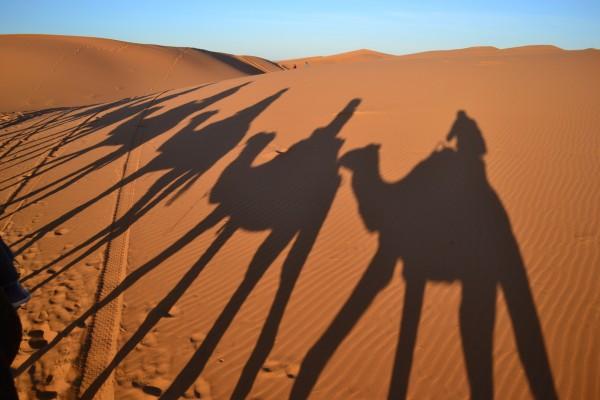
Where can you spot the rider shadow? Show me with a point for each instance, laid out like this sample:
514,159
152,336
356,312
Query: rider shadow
211,142
185,156
447,224
121,140
289,196
127,112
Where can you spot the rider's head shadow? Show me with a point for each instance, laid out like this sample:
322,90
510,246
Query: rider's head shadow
469,140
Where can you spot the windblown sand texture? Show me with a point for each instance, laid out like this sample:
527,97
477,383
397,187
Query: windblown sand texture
336,232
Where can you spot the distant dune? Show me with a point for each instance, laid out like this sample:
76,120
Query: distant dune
490,51
363,55
42,71
423,225
350,56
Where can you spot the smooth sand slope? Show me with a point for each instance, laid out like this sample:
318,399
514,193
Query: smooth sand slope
420,227
347,57
42,71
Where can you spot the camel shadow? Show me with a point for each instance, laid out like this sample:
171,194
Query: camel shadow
289,196
256,198
212,143
121,143
446,223
209,143
126,112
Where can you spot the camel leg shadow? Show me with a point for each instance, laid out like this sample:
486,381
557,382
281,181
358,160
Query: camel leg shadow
289,276
411,314
377,276
162,308
264,257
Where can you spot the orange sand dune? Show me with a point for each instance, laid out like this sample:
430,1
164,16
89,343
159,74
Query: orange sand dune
490,51
350,56
261,63
371,55
42,71
419,227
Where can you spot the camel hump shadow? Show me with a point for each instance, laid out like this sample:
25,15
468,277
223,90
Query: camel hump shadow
289,196
442,219
291,188
446,223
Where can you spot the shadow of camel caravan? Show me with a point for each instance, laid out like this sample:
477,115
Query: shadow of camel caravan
211,142
290,196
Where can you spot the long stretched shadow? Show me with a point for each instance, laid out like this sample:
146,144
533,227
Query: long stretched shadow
122,110
120,138
446,223
303,179
290,196
89,114
212,143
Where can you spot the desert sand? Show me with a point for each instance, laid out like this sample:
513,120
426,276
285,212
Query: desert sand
421,226
49,71
347,57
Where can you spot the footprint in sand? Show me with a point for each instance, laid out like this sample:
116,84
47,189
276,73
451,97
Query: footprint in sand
199,390
156,386
30,254
173,312
62,315
196,339
292,370
42,316
40,337
94,264
150,340
59,295
278,369
61,231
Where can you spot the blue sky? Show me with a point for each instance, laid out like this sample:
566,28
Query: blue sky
285,29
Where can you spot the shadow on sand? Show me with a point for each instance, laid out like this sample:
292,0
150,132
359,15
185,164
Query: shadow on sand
212,143
122,141
304,179
443,220
446,223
